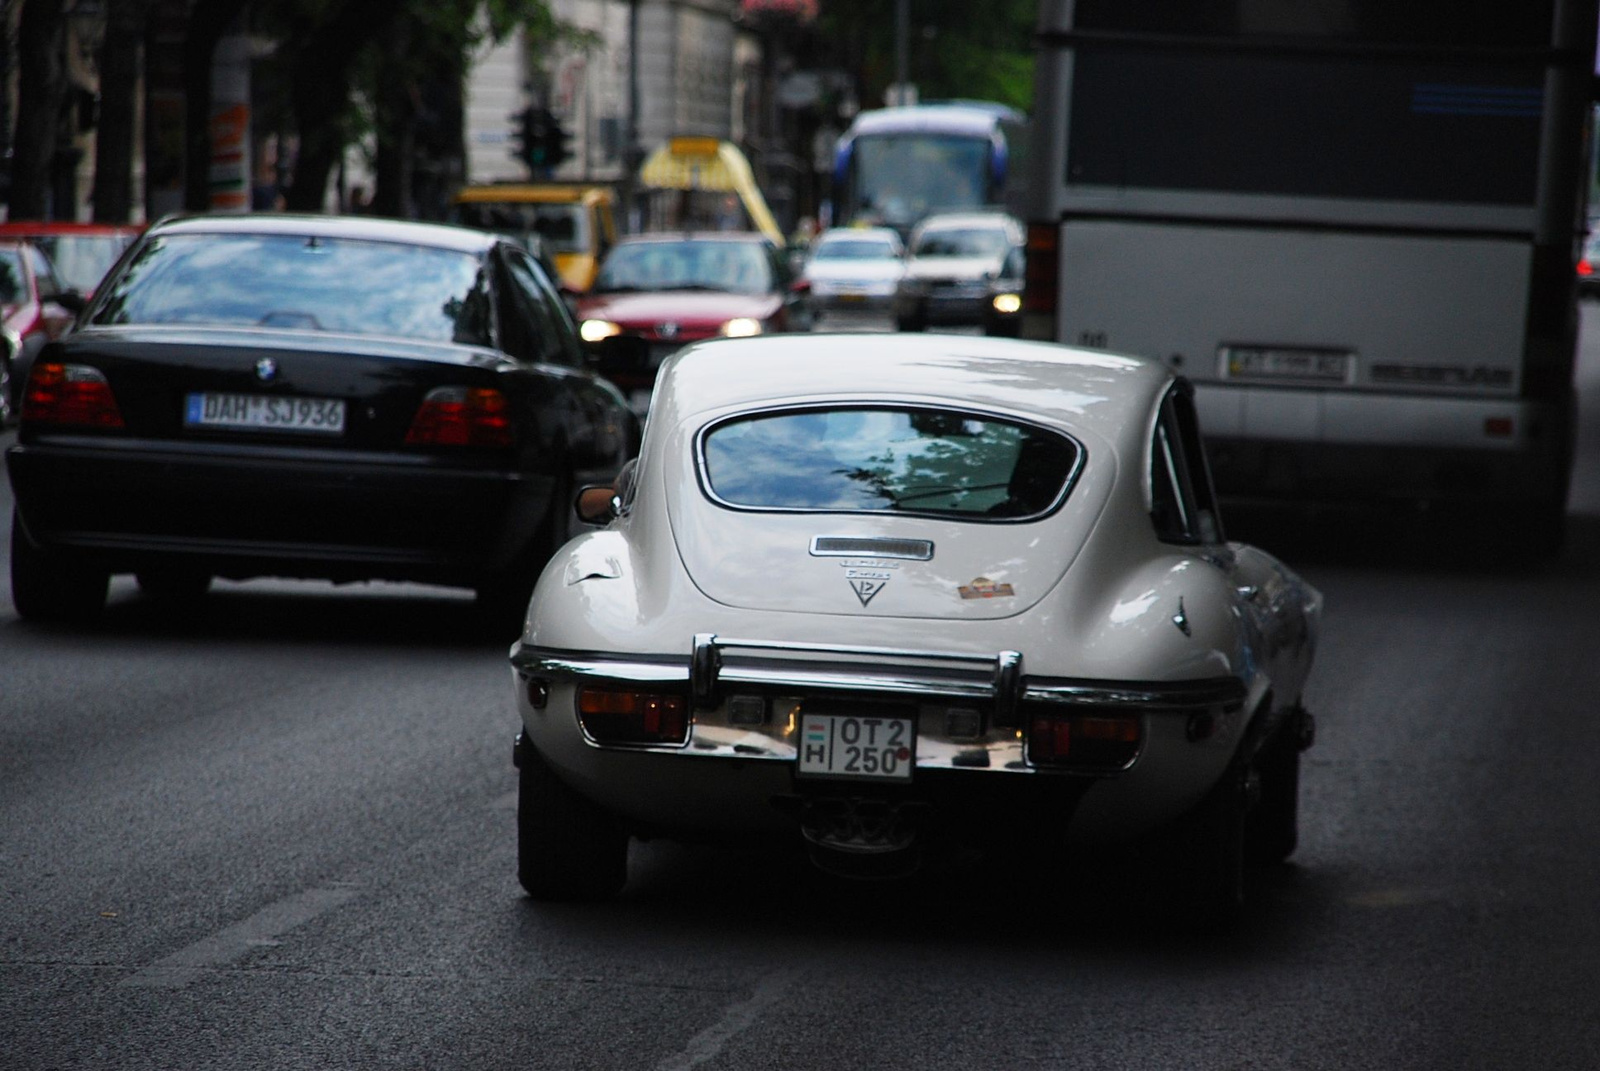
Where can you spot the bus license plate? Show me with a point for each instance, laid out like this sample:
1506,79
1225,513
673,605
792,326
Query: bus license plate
1286,364
857,747
264,412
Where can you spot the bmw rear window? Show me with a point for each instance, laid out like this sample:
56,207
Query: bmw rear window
925,461
303,282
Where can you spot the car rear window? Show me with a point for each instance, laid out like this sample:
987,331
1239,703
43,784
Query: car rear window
303,282
905,460
698,264
966,242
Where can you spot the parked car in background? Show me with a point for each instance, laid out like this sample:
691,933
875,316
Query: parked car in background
81,252
657,292
953,258
1002,311
854,267
893,590
325,397
35,307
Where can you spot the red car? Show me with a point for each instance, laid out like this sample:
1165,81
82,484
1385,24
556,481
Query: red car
658,292
81,252
36,307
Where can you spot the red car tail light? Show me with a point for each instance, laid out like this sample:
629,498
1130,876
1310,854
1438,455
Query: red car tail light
70,394
1084,741
461,416
619,716
1585,268
1040,281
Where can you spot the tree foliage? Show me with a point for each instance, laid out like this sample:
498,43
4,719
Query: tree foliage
955,49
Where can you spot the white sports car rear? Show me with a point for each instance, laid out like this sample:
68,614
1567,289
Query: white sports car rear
875,591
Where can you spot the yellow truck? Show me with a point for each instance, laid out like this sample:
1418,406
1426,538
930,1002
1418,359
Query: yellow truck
573,224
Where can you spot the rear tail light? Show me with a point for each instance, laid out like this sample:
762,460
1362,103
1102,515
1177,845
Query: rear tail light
73,394
1040,281
1585,268
620,716
1084,741
461,416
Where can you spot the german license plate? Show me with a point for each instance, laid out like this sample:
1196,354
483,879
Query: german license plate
264,412
1286,364
860,747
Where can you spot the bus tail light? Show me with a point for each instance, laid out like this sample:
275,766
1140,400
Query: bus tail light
1041,281
622,716
74,394
461,416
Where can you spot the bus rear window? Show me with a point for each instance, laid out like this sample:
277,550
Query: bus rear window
923,461
1310,125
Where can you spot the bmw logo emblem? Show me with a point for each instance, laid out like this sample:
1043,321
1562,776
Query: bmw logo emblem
266,369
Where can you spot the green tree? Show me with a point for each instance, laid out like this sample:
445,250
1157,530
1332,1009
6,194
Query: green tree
955,49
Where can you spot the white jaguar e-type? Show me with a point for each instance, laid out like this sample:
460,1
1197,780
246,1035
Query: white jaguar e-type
875,591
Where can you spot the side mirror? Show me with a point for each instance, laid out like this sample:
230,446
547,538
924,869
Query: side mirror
597,505
71,300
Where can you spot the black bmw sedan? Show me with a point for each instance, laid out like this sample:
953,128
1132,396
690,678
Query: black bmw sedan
318,397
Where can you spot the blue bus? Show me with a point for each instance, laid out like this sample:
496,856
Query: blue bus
896,165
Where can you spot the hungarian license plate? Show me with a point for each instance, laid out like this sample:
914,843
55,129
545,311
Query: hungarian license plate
1286,364
264,412
861,747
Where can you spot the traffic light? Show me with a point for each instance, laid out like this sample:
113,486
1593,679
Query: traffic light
538,140
530,135
555,142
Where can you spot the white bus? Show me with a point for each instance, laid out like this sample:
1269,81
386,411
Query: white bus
1352,223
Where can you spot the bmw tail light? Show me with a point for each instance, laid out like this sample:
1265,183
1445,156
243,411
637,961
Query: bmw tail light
461,416
72,394
622,716
1086,741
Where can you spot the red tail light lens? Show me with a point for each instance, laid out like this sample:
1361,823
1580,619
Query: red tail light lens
618,716
1084,741
461,416
1041,278
1585,268
73,394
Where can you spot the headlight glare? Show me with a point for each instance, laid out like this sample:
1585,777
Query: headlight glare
598,330
741,327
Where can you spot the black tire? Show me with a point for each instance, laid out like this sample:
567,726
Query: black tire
51,587
567,848
1209,858
1272,828
910,325
175,586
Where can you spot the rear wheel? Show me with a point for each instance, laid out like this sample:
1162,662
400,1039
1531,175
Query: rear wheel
1273,827
47,586
1209,858
567,847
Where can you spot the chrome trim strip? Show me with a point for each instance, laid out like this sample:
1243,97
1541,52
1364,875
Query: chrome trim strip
917,550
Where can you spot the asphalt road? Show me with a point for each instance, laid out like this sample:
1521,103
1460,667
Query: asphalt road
278,833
